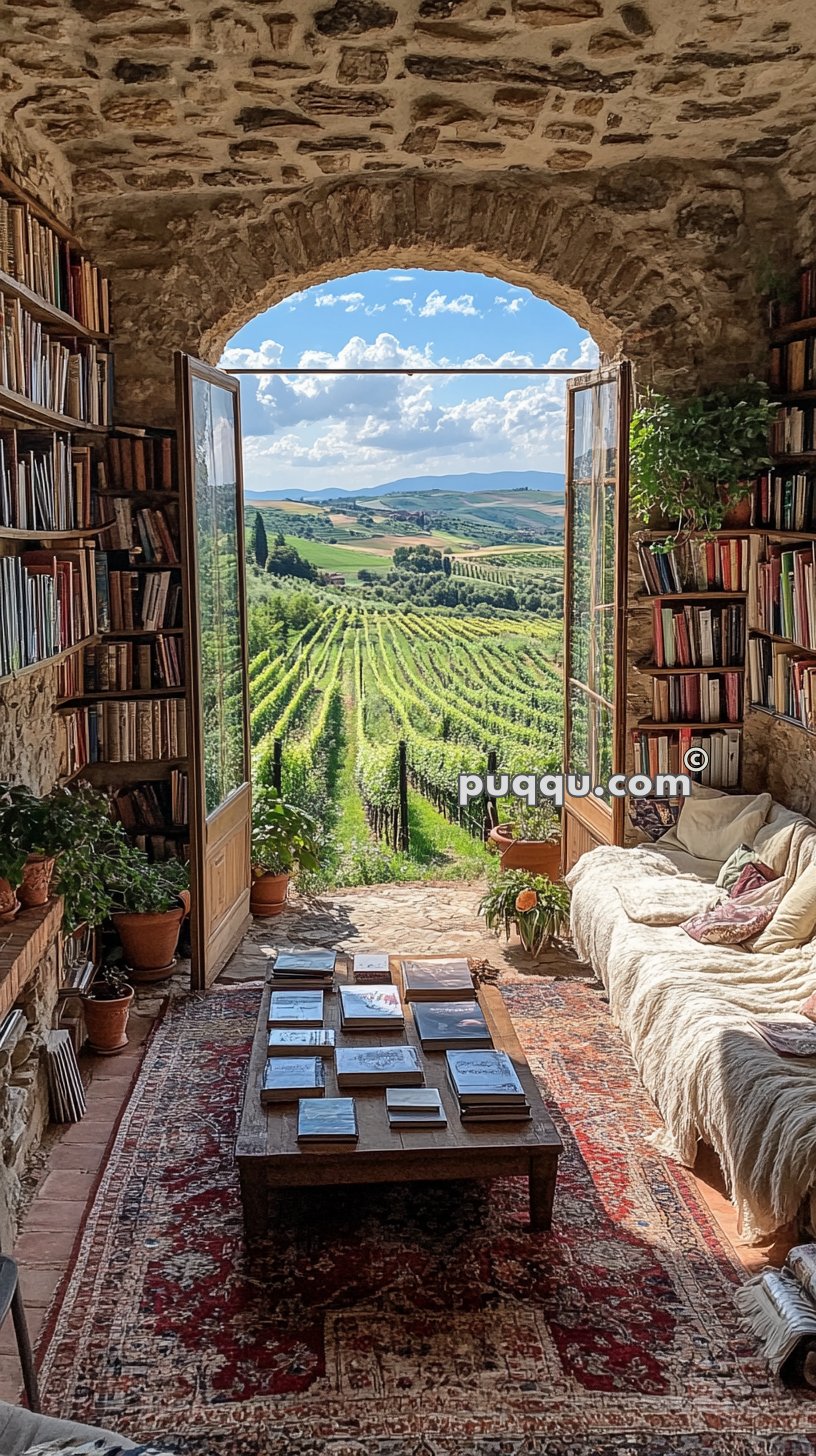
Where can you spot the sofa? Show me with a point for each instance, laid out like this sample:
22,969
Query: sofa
685,1007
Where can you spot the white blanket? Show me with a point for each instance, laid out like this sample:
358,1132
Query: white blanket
684,1010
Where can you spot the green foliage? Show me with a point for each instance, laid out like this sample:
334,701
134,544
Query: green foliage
541,822
285,560
504,906
260,544
693,458
139,887
283,835
111,982
73,825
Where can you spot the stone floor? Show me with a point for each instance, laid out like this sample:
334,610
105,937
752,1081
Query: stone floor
411,918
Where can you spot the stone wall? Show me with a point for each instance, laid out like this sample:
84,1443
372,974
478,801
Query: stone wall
29,737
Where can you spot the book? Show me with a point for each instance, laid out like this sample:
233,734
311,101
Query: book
371,967
801,1260
295,1008
692,635
415,1107
426,980
295,1041
697,698
781,1313
482,1077
137,731
443,1024
382,1066
371,1008
334,1119
304,968
285,1079
793,1037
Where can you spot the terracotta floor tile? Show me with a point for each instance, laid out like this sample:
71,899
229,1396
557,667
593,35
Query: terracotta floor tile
54,1214
78,1157
11,1380
35,1318
65,1185
39,1284
46,1246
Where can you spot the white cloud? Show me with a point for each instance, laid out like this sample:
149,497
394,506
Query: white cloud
509,305
437,302
401,278
406,303
351,301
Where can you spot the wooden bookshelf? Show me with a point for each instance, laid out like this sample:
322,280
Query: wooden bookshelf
651,725
21,410
55,320
53,661
652,670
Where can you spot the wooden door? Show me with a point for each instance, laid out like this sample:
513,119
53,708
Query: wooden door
212,520
595,579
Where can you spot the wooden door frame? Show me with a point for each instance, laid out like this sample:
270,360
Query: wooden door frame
606,824
187,369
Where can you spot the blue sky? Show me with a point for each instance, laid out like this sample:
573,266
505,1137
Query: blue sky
354,431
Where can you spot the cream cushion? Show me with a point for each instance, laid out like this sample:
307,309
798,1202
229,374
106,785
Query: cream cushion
713,828
794,920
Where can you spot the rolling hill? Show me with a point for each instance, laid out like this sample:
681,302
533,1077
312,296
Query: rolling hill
472,481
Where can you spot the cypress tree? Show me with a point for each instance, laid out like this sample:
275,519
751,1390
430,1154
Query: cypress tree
261,545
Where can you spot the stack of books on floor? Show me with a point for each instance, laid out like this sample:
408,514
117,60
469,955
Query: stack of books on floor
487,1087
442,980
780,1305
443,1024
304,970
371,968
415,1108
371,1008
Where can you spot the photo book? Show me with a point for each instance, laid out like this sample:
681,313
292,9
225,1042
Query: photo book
286,1079
429,980
296,1041
296,1008
371,1008
381,1066
332,1120
443,1024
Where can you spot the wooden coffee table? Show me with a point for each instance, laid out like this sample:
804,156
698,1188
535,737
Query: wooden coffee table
269,1155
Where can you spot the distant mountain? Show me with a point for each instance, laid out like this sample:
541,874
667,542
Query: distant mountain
473,481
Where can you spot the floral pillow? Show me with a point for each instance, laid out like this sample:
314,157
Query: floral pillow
655,817
729,923
753,876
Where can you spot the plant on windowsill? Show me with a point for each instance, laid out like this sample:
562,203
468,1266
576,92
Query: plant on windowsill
534,906
107,1008
531,841
693,461
284,837
149,902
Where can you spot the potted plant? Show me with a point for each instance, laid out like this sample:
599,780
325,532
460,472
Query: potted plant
107,1008
284,836
534,906
67,839
148,904
693,461
12,861
532,841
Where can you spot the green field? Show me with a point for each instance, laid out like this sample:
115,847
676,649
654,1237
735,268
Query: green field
347,560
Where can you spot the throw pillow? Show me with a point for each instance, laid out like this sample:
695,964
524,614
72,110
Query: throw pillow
753,876
713,828
808,1008
729,923
732,869
795,918
654,816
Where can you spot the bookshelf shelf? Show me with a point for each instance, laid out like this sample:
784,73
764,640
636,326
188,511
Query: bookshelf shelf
54,319
138,495
784,641
783,332
651,725
52,661
138,771
17,407
146,632
645,598
78,533
651,670
804,457
782,718
117,694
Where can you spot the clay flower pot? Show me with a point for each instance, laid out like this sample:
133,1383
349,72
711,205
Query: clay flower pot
9,904
539,856
35,887
149,940
106,1023
738,514
268,894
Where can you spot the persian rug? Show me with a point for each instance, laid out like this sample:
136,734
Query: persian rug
416,1321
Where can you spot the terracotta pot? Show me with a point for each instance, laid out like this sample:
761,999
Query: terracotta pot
9,904
539,856
35,888
268,894
739,514
106,1023
149,940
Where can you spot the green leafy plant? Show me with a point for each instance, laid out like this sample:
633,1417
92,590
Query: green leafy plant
110,983
283,835
535,906
74,826
541,822
691,459
139,887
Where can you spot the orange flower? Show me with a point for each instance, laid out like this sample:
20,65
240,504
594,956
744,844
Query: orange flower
526,900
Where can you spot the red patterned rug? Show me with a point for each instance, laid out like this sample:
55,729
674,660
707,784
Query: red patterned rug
423,1321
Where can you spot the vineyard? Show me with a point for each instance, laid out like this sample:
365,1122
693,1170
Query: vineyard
332,705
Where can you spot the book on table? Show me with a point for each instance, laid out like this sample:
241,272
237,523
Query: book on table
415,1107
334,1119
487,1086
427,980
286,1079
296,968
371,967
296,1008
793,1037
296,1041
443,1024
371,1008
382,1066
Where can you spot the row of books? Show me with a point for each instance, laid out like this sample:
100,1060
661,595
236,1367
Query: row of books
793,365
695,566
130,732
784,594
153,806
162,847
124,666
785,501
46,605
699,636
793,432
697,698
137,462
131,601
664,753
45,485
35,255
72,379
145,531
782,681
800,305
